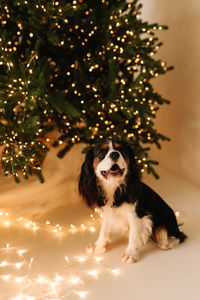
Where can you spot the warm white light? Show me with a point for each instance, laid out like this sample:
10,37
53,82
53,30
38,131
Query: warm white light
94,273
6,277
81,294
21,252
18,265
7,223
3,264
41,279
75,280
98,259
83,226
20,297
92,229
115,272
31,261
53,286
67,258
58,278
35,228
81,258
19,279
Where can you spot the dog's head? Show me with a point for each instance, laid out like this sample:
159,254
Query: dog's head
110,163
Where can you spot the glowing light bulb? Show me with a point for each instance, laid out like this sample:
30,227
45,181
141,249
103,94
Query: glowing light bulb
7,224
67,259
94,273
21,252
81,258
98,259
19,265
81,294
83,226
3,264
20,297
115,272
92,229
41,279
19,279
35,228
6,277
75,280
58,278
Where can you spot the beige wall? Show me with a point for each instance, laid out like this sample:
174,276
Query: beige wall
181,120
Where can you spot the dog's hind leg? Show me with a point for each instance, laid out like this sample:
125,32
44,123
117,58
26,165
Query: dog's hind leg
160,236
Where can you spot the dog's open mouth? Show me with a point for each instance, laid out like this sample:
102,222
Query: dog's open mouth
114,171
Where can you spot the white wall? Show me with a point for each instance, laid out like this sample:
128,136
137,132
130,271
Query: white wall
180,120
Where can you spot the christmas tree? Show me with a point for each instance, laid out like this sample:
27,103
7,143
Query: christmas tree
82,67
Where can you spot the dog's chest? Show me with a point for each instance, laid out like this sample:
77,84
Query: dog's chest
118,218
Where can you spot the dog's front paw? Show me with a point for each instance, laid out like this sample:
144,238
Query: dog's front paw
129,258
92,249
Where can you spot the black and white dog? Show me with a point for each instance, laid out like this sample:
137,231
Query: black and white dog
110,179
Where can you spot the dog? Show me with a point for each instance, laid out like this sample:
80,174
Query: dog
110,179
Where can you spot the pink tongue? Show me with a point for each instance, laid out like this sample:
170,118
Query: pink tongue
115,171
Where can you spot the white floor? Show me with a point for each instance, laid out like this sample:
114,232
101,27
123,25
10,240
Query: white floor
54,265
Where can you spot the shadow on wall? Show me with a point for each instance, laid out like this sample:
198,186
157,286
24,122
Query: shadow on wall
181,120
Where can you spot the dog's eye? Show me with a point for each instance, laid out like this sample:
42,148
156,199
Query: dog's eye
102,153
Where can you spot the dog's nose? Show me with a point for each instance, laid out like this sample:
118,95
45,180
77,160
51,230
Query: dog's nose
114,155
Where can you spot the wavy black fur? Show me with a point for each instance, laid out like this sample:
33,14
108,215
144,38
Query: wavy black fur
88,188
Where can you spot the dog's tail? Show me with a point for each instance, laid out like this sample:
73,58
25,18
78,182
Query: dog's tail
181,236
180,221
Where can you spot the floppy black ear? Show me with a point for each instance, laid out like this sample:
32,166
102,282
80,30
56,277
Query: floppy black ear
133,177
88,183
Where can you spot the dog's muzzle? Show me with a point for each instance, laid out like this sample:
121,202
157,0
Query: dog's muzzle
114,171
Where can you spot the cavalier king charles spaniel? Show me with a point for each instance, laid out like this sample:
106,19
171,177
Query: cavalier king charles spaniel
110,179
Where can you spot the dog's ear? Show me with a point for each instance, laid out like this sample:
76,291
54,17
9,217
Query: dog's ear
87,179
133,177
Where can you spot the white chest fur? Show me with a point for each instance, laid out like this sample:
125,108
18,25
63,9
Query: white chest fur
124,220
118,218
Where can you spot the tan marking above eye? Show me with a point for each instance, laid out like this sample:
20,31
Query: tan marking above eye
117,146
105,146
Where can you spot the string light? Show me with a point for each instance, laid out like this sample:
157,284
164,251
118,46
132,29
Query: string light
72,284
116,272
90,268
47,285
82,294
